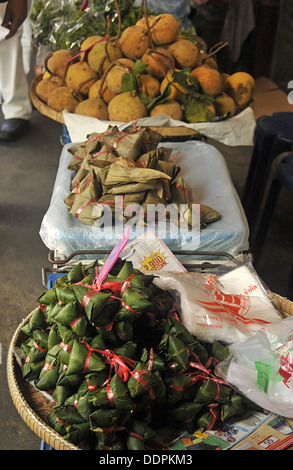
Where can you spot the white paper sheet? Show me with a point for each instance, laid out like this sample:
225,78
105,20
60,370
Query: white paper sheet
238,130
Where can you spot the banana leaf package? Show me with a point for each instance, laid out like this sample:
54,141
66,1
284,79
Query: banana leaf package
129,368
139,432
36,351
127,169
115,393
37,320
49,374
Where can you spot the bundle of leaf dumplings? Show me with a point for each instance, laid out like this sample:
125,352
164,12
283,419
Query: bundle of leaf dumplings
124,168
119,363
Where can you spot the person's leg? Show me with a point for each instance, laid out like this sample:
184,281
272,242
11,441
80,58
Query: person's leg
26,46
14,88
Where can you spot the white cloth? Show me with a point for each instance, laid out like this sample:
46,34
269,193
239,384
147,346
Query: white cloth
14,87
238,130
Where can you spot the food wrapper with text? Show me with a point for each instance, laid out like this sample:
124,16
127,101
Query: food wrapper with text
227,307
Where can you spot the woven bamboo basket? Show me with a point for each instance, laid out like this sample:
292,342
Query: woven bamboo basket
170,133
31,404
33,407
284,306
42,107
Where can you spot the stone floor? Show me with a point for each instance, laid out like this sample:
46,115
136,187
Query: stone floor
28,170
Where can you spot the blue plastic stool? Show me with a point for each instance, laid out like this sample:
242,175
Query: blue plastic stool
273,136
283,178
45,446
65,137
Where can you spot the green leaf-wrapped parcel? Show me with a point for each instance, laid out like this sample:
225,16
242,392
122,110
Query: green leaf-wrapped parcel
37,320
81,403
124,330
54,336
235,407
139,432
83,360
49,374
32,370
114,395
177,351
94,304
71,314
211,391
185,412
68,414
48,297
76,274
62,392
134,303
62,350
176,387
146,384
78,434
208,418
128,349
104,419
39,346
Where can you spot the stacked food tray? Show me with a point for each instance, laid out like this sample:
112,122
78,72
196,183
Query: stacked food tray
203,168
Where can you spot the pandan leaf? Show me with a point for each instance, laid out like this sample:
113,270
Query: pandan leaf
161,98
195,111
129,83
189,83
139,67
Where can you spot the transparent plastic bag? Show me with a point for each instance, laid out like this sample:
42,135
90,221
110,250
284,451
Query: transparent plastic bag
261,367
66,23
229,308
63,25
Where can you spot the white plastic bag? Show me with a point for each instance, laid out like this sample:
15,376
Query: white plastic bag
228,308
261,367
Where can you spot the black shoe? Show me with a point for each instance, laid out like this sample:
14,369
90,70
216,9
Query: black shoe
12,129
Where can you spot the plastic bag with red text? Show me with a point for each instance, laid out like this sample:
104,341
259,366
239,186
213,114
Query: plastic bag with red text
230,307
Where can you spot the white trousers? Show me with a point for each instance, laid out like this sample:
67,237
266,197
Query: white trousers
14,87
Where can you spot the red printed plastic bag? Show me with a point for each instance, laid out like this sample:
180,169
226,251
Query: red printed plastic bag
227,308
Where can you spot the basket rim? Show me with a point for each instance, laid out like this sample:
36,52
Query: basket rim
284,305
30,417
42,107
